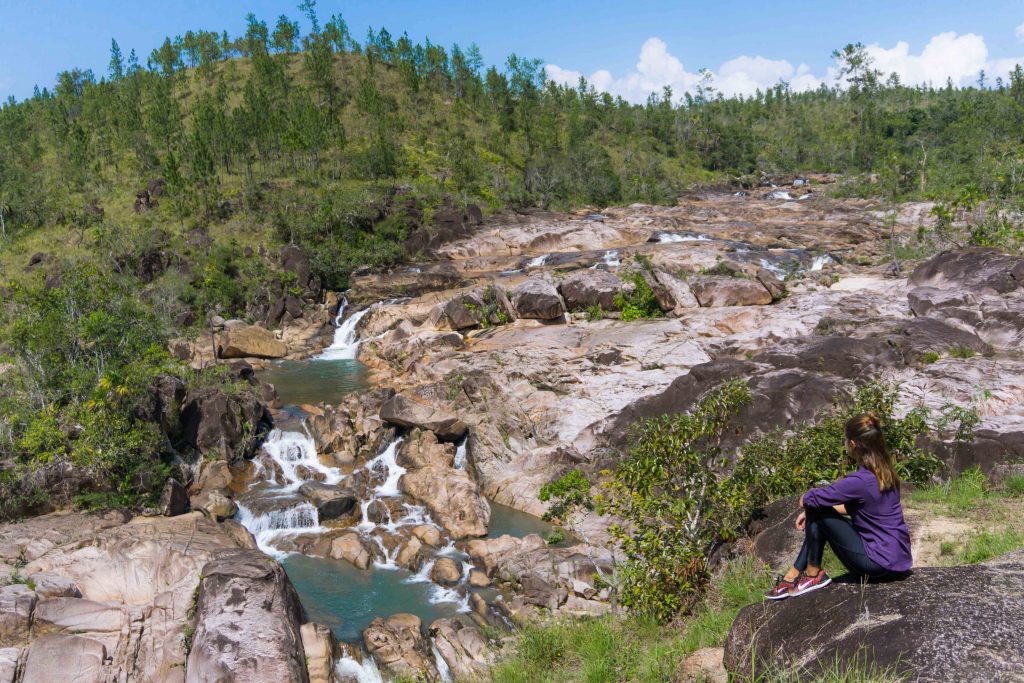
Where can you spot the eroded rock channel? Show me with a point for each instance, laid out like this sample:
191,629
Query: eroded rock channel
416,420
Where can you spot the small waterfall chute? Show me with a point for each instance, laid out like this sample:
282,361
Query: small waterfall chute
292,450
268,527
443,670
346,337
365,671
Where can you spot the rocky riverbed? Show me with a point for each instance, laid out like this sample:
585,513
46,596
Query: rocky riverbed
487,371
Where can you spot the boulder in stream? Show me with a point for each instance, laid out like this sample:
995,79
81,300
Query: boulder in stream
398,644
405,412
591,287
330,501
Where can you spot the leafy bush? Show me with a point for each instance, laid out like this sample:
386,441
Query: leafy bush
85,352
676,504
782,463
639,303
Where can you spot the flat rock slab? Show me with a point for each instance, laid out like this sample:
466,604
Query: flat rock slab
940,624
60,657
405,412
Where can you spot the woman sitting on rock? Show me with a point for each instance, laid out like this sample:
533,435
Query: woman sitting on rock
860,516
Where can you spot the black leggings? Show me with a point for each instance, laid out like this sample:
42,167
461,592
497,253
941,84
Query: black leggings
826,525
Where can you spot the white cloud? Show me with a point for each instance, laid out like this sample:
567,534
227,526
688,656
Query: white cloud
947,55
1019,32
657,68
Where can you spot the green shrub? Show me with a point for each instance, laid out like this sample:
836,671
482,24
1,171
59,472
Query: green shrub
639,304
783,463
961,352
676,504
929,357
962,492
595,313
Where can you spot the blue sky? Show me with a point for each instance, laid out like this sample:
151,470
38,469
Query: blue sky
628,48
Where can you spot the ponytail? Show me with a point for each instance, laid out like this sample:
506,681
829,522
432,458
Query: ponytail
869,449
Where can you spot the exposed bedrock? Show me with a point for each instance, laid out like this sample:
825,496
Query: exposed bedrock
927,627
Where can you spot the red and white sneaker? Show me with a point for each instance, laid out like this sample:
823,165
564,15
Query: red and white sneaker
782,589
806,584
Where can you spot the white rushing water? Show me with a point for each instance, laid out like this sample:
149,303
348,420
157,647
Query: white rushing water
388,461
821,261
346,340
672,238
269,527
364,672
442,666
292,450
776,270
461,454
610,259
538,261
780,194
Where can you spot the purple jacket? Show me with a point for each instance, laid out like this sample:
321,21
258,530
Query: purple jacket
876,515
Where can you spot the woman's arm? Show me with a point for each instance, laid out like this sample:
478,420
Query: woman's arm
849,489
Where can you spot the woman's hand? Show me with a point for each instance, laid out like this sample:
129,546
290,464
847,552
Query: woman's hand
801,520
841,509
802,499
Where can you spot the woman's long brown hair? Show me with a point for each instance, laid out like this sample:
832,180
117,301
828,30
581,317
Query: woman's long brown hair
869,450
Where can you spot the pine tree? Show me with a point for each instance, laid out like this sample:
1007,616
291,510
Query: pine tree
116,67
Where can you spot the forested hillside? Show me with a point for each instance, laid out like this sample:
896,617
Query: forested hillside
145,199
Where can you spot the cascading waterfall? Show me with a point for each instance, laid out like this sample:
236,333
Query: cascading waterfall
443,670
820,261
364,672
672,238
268,527
346,341
291,450
388,460
538,261
461,454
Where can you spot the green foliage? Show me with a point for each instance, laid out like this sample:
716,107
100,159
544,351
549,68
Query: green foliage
1014,484
566,494
676,502
85,352
929,357
595,313
783,463
633,648
961,352
639,304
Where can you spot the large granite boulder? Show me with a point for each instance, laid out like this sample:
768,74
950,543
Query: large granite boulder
940,624
975,269
463,648
405,412
330,501
592,287
247,623
537,299
398,644
453,498
63,657
458,313
215,422
729,291
250,341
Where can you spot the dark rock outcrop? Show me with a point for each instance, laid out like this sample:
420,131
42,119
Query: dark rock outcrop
940,624
586,288
538,299
226,424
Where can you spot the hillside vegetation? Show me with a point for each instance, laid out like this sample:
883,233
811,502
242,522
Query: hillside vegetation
159,194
